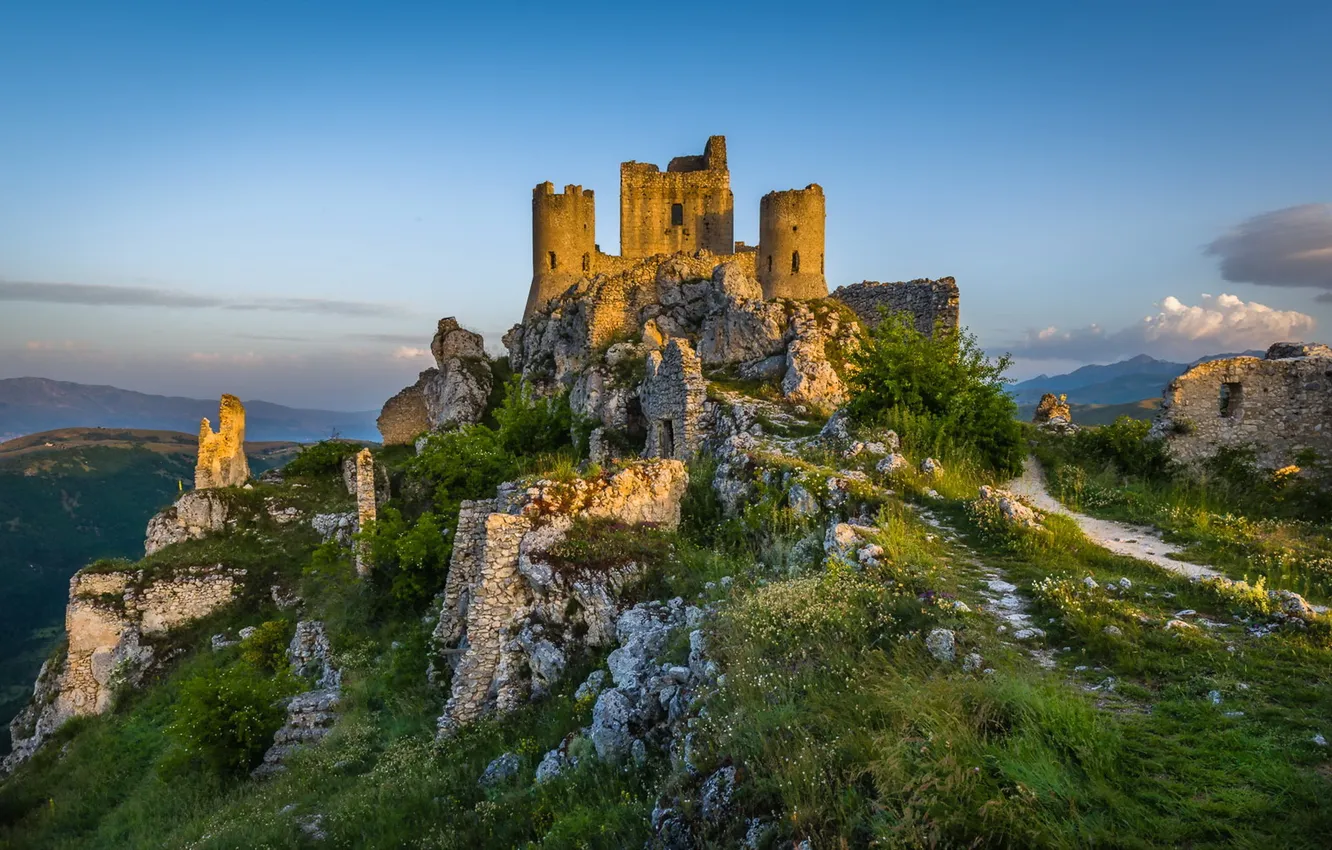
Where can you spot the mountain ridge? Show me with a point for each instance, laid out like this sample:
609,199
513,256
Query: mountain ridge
31,405
1127,381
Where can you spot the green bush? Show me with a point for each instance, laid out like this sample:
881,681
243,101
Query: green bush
226,717
1125,444
322,458
529,425
413,556
463,464
945,377
266,647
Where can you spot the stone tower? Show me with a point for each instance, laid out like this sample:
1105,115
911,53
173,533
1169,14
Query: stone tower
222,460
564,236
790,254
687,207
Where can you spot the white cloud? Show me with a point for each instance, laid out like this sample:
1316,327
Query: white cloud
1219,324
406,352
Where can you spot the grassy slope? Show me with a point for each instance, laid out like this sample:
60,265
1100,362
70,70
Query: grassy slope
843,727
89,494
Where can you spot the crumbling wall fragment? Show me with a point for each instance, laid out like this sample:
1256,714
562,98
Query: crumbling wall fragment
672,397
221,461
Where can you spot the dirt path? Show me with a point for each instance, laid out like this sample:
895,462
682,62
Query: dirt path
1134,541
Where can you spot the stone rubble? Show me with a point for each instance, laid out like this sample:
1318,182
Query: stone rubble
311,714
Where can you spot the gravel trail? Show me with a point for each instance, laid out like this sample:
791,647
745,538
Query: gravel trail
1122,539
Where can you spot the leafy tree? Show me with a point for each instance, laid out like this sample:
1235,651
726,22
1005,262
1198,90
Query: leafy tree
529,425
945,377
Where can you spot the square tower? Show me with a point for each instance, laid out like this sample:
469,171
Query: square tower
684,208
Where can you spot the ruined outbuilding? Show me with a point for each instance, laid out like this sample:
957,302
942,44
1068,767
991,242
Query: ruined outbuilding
1280,404
672,398
222,460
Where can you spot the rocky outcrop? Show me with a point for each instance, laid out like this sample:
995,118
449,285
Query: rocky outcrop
1281,405
194,515
1006,506
672,397
453,393
509,616
110,623
221,461
810,378
1053,410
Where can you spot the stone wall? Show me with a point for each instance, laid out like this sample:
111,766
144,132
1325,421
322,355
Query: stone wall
687,207
222,460
930,301
1280,404
506,614
672,398
108,623
366,502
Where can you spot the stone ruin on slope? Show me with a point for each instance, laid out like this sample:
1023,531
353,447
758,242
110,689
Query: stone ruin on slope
222,460
1280,404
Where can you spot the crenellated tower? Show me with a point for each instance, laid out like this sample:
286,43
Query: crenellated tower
790,254
564,240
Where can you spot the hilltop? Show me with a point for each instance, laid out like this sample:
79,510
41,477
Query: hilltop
31,405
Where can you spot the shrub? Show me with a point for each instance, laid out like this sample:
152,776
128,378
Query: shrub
530,425
266,647
1126,444
945,377
322,458
413,555
226,717
603,544
463,464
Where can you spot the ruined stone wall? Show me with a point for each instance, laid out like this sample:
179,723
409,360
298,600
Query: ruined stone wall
790,252
222,460
701,189
1279,404
366,502
107,619
672,397
503,606
564,236
930,301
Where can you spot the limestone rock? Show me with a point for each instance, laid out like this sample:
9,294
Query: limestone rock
931,468
810,378
108,618
742,331
501,770
221,461
1010,509
452,342
1052,407
942,644
194,515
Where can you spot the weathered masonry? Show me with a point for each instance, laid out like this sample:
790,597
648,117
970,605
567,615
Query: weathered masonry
688,208
1280,404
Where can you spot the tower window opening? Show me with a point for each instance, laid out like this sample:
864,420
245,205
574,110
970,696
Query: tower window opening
795,227
551,256
821,268
587,262
795,262
677,215
770,264
1230,397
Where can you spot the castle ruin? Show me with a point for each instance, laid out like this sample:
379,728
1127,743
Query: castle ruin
1279,404
222,460
688,208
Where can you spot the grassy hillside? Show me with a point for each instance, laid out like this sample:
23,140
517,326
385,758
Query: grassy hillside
68,497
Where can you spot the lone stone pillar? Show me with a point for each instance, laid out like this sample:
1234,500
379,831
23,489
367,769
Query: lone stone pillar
365,502
221,460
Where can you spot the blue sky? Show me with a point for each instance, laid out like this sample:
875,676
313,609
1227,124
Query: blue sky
280,199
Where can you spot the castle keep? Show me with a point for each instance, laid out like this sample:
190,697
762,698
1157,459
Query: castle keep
685,209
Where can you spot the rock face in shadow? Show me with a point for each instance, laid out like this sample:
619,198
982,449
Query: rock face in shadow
453,393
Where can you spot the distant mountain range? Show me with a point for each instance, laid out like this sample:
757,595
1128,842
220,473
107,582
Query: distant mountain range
31,405
1137,379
